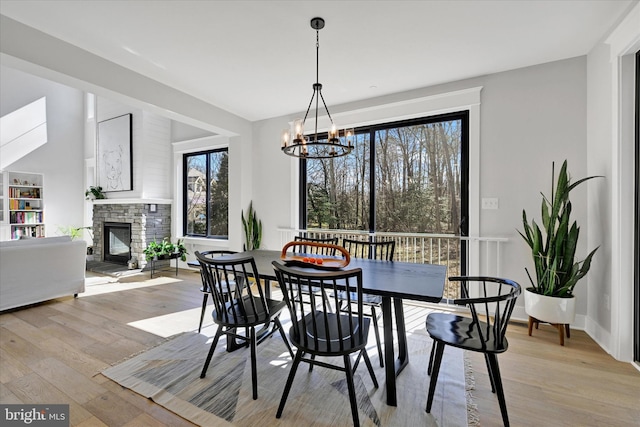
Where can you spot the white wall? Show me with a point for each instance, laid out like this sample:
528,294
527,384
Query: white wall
600,163
61,159
530,118
151,135
240,191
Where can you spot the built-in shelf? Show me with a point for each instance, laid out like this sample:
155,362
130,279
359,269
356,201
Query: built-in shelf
23,204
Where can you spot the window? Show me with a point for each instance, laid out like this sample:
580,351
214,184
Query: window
206,194
408,176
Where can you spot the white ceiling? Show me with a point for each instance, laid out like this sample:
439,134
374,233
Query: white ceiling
257,58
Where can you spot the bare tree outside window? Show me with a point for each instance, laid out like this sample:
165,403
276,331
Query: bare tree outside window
417,178
417,182
338,190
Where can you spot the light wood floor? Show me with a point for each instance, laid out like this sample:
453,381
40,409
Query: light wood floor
53,353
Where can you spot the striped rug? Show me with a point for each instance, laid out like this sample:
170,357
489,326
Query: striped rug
169,374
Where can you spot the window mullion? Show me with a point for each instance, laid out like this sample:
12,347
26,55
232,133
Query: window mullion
207,202
372,181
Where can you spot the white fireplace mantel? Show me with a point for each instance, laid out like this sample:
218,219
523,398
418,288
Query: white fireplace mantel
132,201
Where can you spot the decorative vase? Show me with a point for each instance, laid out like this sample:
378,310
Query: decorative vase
553,310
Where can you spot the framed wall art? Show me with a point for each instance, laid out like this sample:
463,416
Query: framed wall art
114,154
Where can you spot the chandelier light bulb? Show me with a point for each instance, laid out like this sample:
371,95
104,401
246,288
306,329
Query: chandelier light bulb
286,136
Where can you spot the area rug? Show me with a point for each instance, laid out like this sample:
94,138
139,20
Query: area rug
169,374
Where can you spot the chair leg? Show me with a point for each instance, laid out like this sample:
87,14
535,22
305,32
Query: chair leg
283,335
367,361
352,390
491,379
374,315
211,350
313,357
287,387
434,374
355,364
254,369
430,366
495,369
204,307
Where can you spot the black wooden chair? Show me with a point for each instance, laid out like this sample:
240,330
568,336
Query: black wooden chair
238,303
318,250
490,301
382,250
301,248
205,291
316,331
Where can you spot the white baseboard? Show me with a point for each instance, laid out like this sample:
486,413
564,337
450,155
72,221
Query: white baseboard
599,335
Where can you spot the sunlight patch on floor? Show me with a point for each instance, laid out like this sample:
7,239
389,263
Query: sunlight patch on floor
173,323
98,286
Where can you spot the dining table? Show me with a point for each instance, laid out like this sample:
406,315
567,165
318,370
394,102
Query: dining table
394,282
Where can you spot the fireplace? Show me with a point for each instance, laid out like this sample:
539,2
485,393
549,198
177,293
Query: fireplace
143,224
117,242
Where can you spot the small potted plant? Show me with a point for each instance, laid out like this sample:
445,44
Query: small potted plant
553,248
94,193
152,251
165,249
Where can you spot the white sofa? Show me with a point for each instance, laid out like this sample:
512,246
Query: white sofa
36,270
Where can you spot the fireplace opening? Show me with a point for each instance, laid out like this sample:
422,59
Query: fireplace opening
117,242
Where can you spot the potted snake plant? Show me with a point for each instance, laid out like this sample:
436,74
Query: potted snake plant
553,246
252,229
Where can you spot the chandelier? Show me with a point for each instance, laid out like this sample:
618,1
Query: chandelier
337,143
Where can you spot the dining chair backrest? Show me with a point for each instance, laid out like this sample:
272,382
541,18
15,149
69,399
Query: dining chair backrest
230,280
316,326
382,250
317,250
205,287
491,301
211,255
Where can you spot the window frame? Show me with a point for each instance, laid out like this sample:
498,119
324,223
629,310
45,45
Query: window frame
185,182
462,115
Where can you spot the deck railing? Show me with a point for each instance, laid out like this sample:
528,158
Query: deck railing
481,254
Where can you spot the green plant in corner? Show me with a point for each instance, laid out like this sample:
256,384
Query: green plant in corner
557,271
252,229
94,193
73,232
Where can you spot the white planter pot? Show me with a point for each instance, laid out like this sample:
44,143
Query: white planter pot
550,309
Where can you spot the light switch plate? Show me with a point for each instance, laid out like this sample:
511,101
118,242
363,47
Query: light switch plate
490,203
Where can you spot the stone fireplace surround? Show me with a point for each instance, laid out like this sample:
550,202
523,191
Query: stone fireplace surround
146,226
